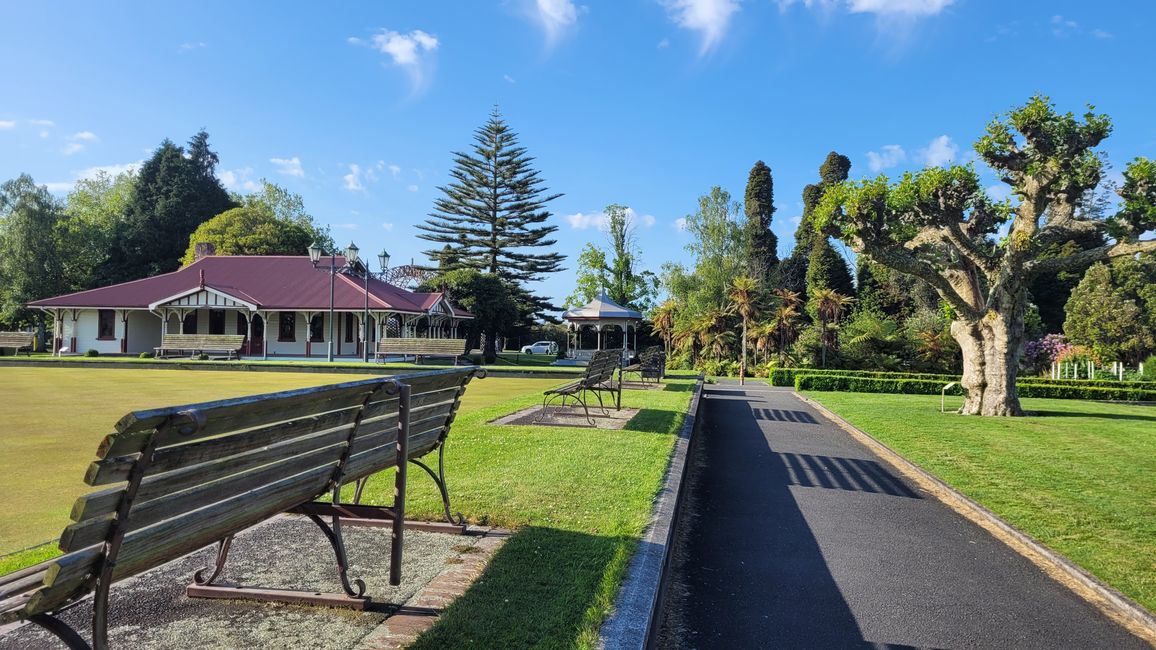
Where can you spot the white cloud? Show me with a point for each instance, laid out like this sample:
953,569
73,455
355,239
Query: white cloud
664,43
387,225
1100,33
44,134
411,52
599,220
85,136
394,171
6,125
1062,27
239,179
352,180
289,166
889,156
912,8
192,45
710,18
60,187
72,148
680,224
555,17
345,226
42,122
93,172
412,188
939,151
509,79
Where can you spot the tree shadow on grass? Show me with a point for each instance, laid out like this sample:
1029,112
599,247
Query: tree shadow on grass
678,388
1104,416
653,421
544,588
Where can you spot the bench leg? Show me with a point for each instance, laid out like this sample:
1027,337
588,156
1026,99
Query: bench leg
222,555
60,630
333,534
440,480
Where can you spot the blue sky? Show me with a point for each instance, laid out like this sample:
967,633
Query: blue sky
648,103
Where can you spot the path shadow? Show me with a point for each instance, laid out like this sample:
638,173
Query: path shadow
784,415
851,474
752,572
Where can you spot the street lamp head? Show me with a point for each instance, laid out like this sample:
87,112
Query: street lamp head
351,254
383,258
315,253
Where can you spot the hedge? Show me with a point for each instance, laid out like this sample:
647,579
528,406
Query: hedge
786,377
860,384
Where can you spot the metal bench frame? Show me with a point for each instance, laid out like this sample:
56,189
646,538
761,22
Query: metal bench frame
598,378
417,351
9,340
204,349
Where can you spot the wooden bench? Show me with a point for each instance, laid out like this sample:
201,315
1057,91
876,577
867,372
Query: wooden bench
421,348
597,379
228,344
651,364
17,341
187,477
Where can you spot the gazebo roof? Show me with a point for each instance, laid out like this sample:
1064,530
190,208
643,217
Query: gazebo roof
601,308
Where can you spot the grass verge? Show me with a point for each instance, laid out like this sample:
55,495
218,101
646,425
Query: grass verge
1077,476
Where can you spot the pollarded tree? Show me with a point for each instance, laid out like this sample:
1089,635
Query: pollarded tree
939,226
492,214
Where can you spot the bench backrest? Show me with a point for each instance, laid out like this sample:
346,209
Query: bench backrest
202,341
601,367
416,345
16,339
213,469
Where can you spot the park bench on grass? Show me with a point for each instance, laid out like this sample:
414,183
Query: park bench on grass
227,344
192,476
420,348
651,364
598,379
17,341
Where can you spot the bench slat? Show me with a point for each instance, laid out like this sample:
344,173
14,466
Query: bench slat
159,485
93,530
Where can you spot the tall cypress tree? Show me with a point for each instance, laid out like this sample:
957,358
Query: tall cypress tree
795,272
176,191
492,215
759,205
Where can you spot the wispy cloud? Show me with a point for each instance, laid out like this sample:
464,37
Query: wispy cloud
77,142
412,188
85,136
556,17
509,79
387,226
411,52
92,172
289,166
394,171
352,180
710,18
6,125
877,7
190,46
889,155
239,179
42,122
679,224
940,151
345,226
600,221
1063,27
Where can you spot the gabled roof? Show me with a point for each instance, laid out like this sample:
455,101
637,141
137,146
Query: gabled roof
268,282
602,308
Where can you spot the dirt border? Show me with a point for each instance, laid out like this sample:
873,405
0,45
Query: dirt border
1113,604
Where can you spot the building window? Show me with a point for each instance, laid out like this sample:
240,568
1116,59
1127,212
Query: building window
349,319
105,324
316,327
242,325
287,326
191,323
216,321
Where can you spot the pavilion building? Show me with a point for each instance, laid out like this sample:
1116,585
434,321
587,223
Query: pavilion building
280,303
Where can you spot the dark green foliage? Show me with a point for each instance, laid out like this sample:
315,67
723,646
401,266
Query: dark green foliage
92,353
791,273
175,192
1107,318
1050,293
491,216
786,376
489,298
1052,390
826,269
30,267
759,205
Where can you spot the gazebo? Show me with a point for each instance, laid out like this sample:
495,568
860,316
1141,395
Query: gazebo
602,315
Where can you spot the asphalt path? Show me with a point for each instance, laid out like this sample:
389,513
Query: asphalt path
800,537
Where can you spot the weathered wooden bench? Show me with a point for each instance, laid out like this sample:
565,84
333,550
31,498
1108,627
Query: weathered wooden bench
18,341
421,348
190,476
651,364
597,379
227,344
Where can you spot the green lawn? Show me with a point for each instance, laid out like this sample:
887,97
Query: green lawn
1078,476
579,498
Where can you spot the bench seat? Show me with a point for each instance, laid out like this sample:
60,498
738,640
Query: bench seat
419,348
228,344
18,341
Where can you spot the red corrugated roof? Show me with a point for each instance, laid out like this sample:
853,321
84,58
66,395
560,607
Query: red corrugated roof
269,282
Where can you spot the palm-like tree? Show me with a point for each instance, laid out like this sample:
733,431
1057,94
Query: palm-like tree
785,319
742,295
829,305
663,319
764,334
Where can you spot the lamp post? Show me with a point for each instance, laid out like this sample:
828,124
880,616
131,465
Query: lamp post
315,253
383,259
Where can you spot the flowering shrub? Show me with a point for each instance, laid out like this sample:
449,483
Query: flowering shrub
1039,354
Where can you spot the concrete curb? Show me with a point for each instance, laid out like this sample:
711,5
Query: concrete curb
1113,604
631,623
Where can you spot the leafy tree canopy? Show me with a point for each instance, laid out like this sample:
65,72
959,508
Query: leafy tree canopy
615,271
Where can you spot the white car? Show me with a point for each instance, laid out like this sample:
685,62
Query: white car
541,347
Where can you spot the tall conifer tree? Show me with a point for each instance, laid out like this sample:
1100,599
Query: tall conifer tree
759,205
492,215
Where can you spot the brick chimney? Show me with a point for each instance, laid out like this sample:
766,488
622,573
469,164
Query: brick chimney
203,250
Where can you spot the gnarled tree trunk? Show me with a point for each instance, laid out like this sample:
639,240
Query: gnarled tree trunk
991,349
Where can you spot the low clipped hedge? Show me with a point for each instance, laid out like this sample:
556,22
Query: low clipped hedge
861,384
786,377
